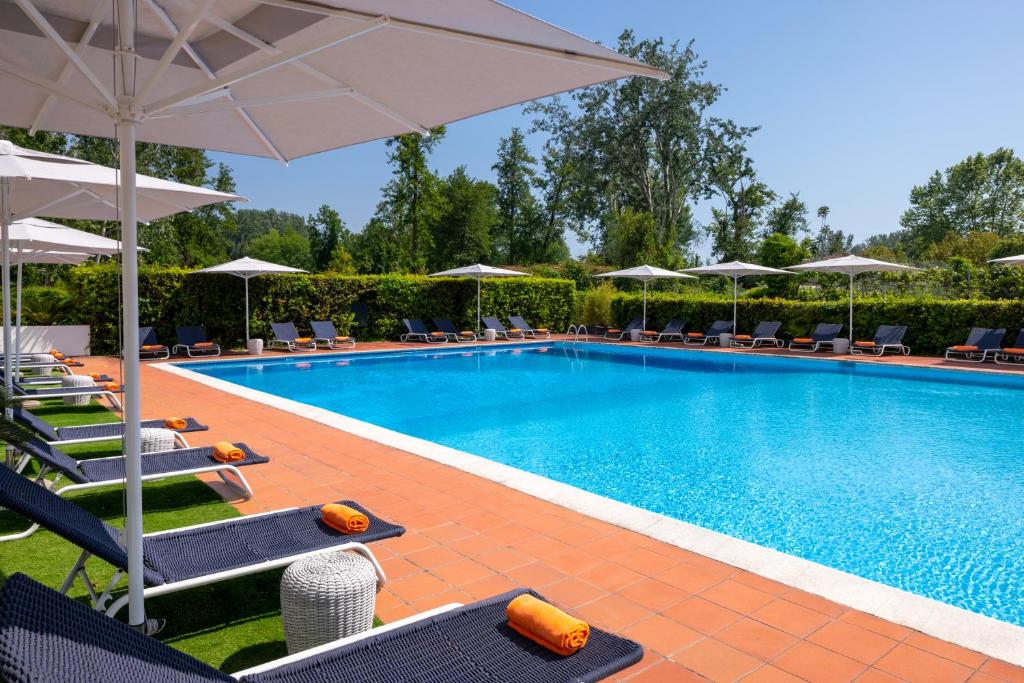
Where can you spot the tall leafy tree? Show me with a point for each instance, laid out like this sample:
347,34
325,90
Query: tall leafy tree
251,224
517,207
734,227
326,234
643,144
462,233
288,248
789,217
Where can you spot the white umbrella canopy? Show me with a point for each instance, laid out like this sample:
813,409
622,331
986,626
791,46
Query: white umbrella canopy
478,272
246,268
236,76
852,265
1009,260
646,274
735,270
38,236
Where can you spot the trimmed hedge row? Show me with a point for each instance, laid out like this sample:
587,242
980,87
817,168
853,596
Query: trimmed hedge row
173,297
933,324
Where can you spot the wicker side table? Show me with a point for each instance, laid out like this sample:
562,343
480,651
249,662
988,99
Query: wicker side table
72,381
157,439
326,597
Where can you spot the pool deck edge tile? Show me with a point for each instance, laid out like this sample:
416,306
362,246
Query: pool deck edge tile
990,636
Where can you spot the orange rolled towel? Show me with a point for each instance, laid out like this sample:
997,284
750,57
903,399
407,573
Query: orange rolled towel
741,336
437,334
466,333
694,335
344,519
225,451
612,330
864,343
650,333
303,340
175,423
57,354
112,386
541,329
964,347
95,375
341,338
547,625
1016,352
67,361
203,345
803,340
514,329
152,347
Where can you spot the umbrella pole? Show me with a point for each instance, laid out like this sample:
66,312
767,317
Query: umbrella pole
735,286
478,305
17,323
851,311
246,310
126,131
645,305
5,244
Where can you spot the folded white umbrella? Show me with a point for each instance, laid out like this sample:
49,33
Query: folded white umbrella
478,272
246,268
646,274
735,270
852,265
274,78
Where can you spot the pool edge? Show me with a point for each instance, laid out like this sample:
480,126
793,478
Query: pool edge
987,635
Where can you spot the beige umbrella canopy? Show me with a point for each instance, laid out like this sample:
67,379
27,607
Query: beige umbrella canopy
478,272
646,274
735,270
273,78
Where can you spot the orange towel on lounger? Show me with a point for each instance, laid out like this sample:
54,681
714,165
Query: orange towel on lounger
57,354
650,333
547,625
514,329
864,343
466,333
203,345
614,331
437,334
225,451
67,361
95,375
541,329
803,340
344,519
303,340
152,347
175,422
1013,351
964,347
741,336
694,335
112,386
339,338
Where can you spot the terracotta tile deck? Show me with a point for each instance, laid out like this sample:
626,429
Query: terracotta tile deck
469,538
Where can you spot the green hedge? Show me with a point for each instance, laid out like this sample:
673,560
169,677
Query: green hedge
172,297
933,324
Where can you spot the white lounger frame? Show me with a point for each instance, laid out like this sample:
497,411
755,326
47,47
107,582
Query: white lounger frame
979,356
100,599
661,336
879,350
334,343
178,437
420,336
341,642
813,346
204,352
155,355
757,342
292,345
98,394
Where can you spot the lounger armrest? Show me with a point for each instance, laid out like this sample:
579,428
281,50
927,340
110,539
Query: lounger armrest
341,642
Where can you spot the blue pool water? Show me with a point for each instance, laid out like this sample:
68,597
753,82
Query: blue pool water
910,477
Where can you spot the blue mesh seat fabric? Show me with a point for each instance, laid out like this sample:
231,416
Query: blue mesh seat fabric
115,429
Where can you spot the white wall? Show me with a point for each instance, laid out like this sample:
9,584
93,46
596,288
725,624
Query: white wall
72,340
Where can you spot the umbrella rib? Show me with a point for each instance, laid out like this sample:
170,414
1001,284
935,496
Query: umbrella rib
179,38
264,65
269,48
477,38
53,87
42,208
50,32
213,106
65,75
210,74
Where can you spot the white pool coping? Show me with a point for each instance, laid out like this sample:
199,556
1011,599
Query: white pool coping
989,636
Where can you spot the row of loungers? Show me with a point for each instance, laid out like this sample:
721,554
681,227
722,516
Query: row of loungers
477,642
984,343
192,340
446,331
286,335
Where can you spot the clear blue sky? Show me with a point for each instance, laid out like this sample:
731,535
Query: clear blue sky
858,101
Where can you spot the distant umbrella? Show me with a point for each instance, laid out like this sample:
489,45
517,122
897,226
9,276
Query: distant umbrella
646,274
478,272
736,270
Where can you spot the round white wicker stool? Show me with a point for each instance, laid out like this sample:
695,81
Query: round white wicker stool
68,381
155,439
326,597
42,358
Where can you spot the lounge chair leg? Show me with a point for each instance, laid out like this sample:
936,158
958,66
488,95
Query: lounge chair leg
242,486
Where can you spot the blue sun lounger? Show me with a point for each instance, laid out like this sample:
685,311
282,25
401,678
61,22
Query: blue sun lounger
887,338
616,334
453,333
520,323
454,643
673,331
98,472
325,332
106,431
416,330
500,331
1012,354
982,343
287,335
824,336
149,347
98,392
712,335
192,341
178,559
763,335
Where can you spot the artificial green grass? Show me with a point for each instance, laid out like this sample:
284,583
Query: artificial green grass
232,625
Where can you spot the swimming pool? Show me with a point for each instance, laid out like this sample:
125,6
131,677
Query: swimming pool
908,476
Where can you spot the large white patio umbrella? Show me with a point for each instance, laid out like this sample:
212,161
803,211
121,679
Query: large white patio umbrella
274,78
646,274
852,265
478,272
247,268
735,270
1009,260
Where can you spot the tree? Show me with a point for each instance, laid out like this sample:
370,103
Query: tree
326,233
254,223
632,240
517,207
789,217
778,250
733,229
376,249
981,193
462,233
287,248
642,144
823,212
411,201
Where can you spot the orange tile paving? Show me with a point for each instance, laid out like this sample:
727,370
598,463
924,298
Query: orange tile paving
470,538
